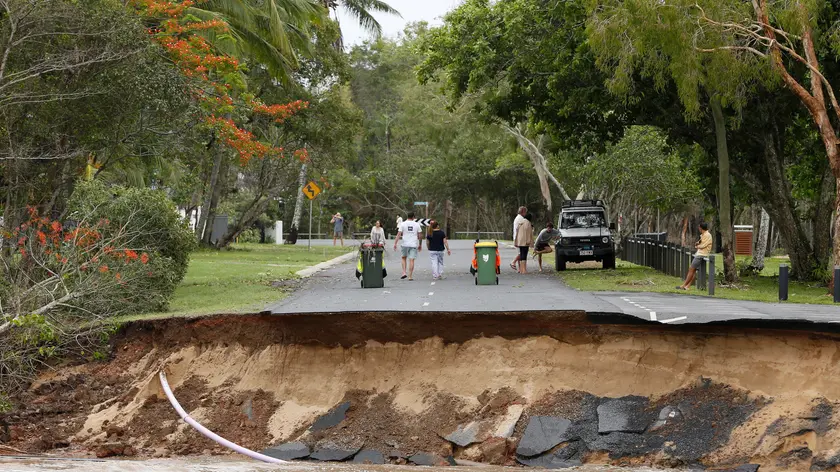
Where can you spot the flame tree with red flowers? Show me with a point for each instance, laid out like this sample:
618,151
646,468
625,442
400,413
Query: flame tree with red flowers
229,110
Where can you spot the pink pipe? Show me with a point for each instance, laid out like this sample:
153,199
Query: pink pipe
210,434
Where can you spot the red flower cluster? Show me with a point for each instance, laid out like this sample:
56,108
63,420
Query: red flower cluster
243,141
279,112
57,249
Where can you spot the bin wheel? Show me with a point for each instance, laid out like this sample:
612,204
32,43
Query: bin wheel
476,280
362,282
497,281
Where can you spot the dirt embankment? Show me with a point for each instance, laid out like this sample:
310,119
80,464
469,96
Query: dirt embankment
687,396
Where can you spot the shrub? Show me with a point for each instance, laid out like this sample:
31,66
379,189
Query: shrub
63,283
156,228
250,235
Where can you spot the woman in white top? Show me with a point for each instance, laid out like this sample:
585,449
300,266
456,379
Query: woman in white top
377,233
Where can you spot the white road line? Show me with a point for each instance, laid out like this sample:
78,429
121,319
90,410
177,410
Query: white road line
433,283
653,316
672,320
426,304
431,293
387,291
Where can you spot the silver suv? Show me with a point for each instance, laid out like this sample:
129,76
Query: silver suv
585,234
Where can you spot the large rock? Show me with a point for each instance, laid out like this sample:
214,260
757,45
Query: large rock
624,415
465,434
428,459
288,451
333,418
369,456
542,434
507,424
331,451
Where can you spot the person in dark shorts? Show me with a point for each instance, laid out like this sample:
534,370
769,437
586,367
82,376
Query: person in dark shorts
524,240
704,248
544,240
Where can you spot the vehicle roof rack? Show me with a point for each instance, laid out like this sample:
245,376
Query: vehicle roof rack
583,203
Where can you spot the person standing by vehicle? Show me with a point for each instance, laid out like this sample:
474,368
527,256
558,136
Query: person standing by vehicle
338,229
520,215
409,234
523,241
377,234
543,243
704,248
437,244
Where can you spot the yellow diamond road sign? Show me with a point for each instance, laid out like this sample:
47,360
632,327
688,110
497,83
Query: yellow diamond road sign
311,190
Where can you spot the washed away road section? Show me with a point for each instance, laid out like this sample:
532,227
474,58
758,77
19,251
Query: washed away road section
533,389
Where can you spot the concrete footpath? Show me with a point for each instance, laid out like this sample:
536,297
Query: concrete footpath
336,289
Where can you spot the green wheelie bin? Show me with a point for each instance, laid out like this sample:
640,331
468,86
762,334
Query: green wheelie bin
370,267
487,263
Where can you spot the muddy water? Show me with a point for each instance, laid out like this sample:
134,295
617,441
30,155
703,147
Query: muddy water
215,464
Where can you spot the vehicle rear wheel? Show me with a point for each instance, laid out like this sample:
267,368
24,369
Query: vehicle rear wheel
609,262
560,263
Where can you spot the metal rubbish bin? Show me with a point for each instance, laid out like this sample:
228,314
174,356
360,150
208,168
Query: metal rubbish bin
372,266
486,263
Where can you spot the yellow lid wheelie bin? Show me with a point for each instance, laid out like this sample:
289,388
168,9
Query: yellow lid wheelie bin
487,263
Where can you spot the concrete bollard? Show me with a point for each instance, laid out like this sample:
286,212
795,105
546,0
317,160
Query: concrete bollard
712,274
783,282
836,284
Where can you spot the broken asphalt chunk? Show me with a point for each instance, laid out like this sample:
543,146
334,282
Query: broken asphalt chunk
542,434
624,415
288,451
330,451
465,434
332,418
428,459
369,456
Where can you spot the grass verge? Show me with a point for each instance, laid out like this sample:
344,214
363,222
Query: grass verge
633,278
239,280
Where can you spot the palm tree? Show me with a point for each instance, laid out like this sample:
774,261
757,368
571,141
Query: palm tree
362,11
273,32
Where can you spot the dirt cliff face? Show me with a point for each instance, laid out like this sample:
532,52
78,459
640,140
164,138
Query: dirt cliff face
459,386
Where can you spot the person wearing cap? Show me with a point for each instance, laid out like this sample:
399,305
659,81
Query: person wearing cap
338,229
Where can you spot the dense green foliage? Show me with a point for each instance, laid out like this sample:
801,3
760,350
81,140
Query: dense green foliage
156,228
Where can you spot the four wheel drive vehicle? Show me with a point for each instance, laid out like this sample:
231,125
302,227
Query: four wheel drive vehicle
585,234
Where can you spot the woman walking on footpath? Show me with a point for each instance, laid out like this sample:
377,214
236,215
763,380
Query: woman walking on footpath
437,244
377,233
524,240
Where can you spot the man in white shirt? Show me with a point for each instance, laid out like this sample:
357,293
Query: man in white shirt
516,221
412,244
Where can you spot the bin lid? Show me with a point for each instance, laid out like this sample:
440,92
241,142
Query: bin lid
493,244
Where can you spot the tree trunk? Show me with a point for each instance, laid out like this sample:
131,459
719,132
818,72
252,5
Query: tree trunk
724,201
298,206
216,196
761,243
822,221
208,195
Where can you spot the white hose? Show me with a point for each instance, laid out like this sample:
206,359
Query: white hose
210,434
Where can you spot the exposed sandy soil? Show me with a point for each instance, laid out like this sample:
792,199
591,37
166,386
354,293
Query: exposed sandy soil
761,396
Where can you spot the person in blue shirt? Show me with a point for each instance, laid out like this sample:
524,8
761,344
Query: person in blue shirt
338,229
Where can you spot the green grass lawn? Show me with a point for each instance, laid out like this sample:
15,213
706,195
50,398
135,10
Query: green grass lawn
633,278
239,280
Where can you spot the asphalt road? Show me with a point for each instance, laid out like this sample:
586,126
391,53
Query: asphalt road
338,290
